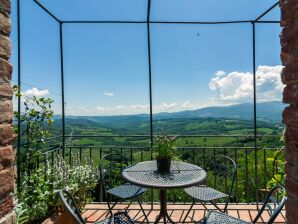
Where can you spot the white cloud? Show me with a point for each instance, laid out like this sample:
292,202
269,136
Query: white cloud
36,92
119,107
139,106
167,106
187,105
108,94
237,86
98,108
132,109
220,73
230,88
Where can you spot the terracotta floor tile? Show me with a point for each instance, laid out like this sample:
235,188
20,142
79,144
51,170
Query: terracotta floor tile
98,211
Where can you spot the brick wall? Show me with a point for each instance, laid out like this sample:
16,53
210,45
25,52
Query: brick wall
289,57
6,135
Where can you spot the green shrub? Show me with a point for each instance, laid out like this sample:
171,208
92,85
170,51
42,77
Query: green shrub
37,196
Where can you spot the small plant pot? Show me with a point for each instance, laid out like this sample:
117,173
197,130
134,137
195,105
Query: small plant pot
163,165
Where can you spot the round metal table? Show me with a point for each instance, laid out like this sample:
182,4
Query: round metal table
182,175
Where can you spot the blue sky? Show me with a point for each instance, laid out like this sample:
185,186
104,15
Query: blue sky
106,69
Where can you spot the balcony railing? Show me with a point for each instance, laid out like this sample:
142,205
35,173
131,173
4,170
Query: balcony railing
247,189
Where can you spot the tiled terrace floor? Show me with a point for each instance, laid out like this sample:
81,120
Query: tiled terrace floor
96,212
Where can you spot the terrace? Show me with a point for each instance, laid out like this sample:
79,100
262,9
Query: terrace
254,151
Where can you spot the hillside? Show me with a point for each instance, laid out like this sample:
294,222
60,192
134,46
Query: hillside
270,111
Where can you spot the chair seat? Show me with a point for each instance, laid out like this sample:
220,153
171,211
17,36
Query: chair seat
126,191
215,217
204,193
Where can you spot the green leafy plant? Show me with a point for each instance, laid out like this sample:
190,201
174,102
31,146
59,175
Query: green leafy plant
21,213
34,197
165,146
78,178
35,119
278,165
37,196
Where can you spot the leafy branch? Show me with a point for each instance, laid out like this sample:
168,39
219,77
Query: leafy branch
35,119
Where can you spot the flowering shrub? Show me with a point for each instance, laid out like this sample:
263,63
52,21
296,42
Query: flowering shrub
165,146
77,178
37,197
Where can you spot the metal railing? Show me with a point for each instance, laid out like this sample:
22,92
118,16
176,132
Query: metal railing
245,190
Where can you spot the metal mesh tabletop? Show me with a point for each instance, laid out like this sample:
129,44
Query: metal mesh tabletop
181,175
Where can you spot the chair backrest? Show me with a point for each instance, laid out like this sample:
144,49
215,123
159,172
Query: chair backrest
111,166
70,206
279,191
223,170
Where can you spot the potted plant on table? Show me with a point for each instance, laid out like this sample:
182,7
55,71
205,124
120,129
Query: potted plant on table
165,150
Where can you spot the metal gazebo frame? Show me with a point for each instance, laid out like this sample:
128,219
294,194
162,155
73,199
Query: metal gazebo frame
148,21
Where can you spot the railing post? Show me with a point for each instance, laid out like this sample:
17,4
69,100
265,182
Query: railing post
236,176
246,174
70,156
265,166
90,153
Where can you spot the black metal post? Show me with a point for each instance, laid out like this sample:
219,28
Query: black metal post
150,86
163,209
19,97
46,10
268,22
255,110
162,22
156,21
150,76
268,10
62,87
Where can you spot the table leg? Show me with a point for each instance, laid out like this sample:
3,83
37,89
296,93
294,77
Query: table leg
163,208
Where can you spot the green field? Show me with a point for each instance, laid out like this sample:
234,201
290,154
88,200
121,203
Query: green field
203,138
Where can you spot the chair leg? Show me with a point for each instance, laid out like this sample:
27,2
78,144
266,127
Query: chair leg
139,201
128,206
215,205
109,204
188,211
204,205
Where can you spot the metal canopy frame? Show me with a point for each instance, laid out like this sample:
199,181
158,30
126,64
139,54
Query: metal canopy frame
148,21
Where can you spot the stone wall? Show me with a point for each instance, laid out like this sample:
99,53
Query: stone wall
289,57
6,134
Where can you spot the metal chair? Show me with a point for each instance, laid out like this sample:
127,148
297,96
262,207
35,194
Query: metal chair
111,166
215,217
223,170
72,209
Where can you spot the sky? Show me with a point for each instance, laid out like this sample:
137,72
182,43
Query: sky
106,65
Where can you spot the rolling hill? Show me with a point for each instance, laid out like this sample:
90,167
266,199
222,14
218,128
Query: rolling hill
270,111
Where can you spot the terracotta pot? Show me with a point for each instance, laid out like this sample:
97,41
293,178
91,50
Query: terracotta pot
163,165
64,218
